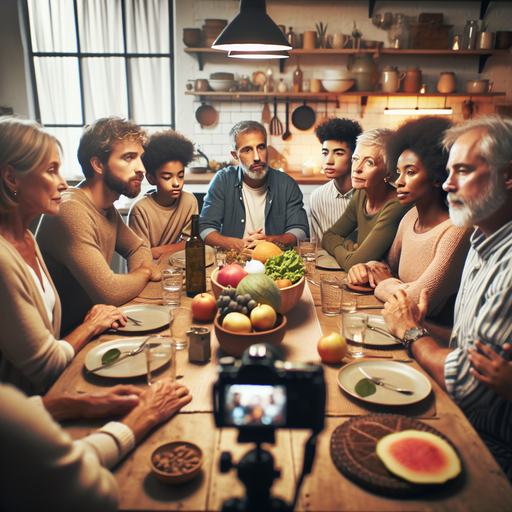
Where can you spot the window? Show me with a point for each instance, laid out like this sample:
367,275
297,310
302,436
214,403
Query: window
98,58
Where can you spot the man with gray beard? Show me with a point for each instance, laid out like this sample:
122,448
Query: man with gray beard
252,201
78,244
479,187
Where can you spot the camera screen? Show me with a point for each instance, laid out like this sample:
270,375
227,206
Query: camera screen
255,406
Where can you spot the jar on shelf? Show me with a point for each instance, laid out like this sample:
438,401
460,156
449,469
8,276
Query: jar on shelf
297,78
291,36
244,83
447,83
469,35
282,87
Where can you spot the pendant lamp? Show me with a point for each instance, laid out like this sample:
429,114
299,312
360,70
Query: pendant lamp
252,30
259,55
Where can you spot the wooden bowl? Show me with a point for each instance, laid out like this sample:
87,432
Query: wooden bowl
235,344
289,296
184,474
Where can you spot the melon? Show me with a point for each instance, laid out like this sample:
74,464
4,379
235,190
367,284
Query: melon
261,288
419,457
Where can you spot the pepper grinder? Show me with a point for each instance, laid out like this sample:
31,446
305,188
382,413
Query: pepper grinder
199,348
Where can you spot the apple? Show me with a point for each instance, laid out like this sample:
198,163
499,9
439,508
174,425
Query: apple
283,283
204,307
231,275
237,322
263,317
332,348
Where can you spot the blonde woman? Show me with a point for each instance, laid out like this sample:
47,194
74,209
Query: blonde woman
31,354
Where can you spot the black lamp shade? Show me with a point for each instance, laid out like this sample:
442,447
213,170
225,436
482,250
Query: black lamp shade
252,31
259,55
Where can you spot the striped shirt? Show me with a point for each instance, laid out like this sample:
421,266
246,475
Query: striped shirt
483,311
327,205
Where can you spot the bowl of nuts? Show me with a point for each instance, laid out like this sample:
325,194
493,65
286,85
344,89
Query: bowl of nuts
176,462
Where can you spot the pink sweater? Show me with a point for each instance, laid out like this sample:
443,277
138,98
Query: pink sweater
432,260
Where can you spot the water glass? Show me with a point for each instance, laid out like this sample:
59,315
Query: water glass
160,359
353,328
180,320
307,251
331,293
348,301
172,286
220,257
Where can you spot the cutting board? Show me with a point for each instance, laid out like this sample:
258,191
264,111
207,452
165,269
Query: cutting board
353,452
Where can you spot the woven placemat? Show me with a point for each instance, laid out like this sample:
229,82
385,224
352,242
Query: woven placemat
353,452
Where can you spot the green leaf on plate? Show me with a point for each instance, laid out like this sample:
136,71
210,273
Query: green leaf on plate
365,388
110,356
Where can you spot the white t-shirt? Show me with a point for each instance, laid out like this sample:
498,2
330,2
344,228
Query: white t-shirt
47,294
254,200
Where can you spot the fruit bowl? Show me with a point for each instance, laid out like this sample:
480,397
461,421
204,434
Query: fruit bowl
235,344
191,454
289,296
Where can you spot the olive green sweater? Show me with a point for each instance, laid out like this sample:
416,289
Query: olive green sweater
375,232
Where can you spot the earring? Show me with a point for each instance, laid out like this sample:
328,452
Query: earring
386,180
15,193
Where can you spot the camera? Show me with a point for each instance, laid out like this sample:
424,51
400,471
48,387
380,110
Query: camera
262,393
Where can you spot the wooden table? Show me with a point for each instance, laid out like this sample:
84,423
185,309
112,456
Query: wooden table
484,486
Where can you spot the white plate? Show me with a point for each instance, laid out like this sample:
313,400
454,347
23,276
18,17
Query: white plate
209,256
134,366
325,261
152,317
397,374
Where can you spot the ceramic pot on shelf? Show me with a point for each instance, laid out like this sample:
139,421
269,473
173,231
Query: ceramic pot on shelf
447,83
412,80
364,71
390,79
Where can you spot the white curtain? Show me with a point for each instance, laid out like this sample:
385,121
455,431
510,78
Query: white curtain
111,85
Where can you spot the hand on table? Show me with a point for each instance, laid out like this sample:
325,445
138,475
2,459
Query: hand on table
401,313
106,402
102,317
379,274
492,371
156,273
156,404
361,274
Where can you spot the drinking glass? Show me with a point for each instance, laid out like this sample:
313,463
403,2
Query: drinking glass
160,359
330,293
348,301
180,320
220,257
172,286
307,251
353,328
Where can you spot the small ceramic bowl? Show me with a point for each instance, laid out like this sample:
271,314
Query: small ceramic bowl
176,462
337,85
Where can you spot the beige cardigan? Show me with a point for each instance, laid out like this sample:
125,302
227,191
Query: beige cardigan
31,356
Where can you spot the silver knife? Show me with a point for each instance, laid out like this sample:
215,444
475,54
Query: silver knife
378,381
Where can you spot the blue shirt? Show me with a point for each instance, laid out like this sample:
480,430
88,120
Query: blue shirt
224,210
483,311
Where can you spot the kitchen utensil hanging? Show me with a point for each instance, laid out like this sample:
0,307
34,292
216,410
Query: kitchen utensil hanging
207,115
276,128
287,134
304,117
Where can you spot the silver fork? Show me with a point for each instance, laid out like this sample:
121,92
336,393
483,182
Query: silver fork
134,321
384,332
133,352
378,381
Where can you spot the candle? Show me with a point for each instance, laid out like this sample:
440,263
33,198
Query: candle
308,167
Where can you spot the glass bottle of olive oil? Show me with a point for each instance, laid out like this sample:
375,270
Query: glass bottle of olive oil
195,261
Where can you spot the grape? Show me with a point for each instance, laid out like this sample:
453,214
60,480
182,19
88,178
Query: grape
225,311
247,298
232,293
244,311
239,308
226,301
232,305
219,302
251,305
240,299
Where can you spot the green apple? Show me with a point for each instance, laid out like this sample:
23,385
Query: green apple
237,322
263,317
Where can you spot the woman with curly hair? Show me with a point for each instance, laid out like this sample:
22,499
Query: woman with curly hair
163,216
428,251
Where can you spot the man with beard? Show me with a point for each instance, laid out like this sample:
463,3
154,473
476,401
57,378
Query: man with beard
479,187
78,244
252,201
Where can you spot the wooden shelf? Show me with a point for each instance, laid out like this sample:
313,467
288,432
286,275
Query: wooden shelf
482,54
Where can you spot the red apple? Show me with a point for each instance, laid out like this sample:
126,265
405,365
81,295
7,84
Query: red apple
332,348
204,307
231,275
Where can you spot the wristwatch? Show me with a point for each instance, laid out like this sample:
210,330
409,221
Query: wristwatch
411,335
